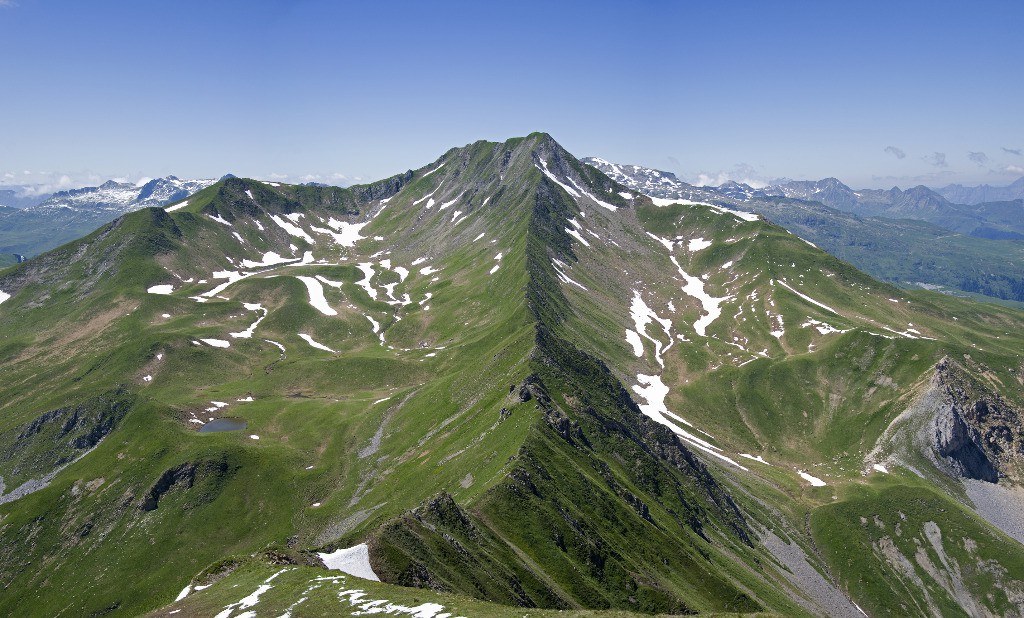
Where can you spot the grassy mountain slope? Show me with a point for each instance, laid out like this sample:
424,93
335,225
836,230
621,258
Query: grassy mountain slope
516,381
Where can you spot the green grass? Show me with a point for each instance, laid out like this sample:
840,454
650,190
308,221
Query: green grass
321,589
573,499
986,563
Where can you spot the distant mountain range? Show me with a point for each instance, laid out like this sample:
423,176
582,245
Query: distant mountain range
122,197
913,237
67,215
954,208
983,193
17,197
998,220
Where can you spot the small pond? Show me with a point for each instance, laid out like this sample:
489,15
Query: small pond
223,424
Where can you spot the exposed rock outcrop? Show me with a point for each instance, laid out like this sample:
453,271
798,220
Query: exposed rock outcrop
976,431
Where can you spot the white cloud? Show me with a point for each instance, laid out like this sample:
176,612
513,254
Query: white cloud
1015,169
941,176
335,178
741,173
33,183
896,152
978,157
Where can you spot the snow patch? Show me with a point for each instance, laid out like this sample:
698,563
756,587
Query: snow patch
577,236
178,206
429,196
367,269
449,203
292,229
270,258
247,333
433,170
217,343
316,295
698,244
334,284
633,339
654,392
813,480
824,328
347,233
712,305
643,315
806,297
353,560
156,289
668,243
543,167
559,265
313,343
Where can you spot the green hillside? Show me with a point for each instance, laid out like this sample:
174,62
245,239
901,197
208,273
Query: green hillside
520,385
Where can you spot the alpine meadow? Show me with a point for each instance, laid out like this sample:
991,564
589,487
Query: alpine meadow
502,384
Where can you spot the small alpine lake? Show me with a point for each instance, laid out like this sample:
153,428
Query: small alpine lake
223,424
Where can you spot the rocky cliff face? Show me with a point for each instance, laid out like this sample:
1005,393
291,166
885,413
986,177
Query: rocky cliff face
976,431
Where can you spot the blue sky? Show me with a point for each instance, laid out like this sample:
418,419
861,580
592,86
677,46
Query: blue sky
876,94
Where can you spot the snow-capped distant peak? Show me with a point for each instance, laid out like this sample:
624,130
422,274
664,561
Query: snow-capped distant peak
120,197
